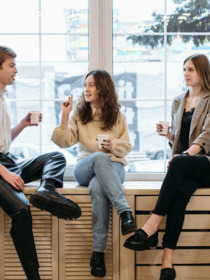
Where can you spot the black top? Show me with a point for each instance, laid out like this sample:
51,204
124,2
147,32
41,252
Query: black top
185,128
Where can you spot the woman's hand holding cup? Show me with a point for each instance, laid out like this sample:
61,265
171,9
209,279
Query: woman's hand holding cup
162,128
104,142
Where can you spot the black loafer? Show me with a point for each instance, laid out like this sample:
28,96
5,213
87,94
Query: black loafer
128,224
167,274
97,264
56,204
140,241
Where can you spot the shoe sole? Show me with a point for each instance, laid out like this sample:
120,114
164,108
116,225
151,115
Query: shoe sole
141,247
59,209
95,272
128,229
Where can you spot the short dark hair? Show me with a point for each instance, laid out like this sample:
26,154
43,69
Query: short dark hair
5,53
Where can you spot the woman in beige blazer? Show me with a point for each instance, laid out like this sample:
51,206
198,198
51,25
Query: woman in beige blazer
188,169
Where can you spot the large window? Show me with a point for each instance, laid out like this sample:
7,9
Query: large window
57,42
51,41
149,46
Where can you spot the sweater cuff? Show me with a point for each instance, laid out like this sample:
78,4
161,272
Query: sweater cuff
63,127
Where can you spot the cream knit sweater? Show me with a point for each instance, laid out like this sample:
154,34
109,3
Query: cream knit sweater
85,136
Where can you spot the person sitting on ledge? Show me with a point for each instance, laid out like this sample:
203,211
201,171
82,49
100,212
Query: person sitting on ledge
188,169
14,173
100,165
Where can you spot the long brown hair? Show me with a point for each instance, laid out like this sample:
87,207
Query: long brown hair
108,99
201,63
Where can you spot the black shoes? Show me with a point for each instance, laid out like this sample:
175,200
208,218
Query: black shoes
49,199
127,222
140,241
167,274
97,264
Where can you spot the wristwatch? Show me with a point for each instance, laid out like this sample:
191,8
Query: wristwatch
185,153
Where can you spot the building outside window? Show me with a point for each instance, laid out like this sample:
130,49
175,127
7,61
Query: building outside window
58,42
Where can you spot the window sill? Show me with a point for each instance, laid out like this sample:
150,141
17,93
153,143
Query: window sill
157,176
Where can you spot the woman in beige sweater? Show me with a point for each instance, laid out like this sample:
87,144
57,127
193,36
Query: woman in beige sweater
102,170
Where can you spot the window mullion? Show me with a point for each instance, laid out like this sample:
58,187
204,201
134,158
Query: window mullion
100,35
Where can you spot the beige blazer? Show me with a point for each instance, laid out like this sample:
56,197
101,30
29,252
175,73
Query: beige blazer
200,124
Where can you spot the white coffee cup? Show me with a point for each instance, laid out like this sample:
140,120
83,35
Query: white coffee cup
35,117
101,138
164,127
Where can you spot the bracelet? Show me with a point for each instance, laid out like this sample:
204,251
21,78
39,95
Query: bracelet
185,153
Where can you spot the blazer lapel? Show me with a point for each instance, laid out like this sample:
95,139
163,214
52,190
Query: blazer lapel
198,111
179,115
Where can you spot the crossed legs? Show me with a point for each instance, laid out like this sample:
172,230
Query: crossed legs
185,175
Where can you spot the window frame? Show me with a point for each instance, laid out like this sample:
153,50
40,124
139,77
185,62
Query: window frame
101,57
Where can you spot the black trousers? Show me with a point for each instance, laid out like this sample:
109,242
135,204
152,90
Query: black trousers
16,205
184,176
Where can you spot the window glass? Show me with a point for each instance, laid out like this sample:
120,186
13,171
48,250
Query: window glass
146,64
51,39
148,52
188,16
128,17
65,16
177,52
52,115
27,144
51,42
58,81
20,16
25,46
68,48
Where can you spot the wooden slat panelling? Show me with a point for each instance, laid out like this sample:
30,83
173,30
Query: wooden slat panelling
197,203
191,258
192,221
65,247
183,272
182,256
44,229
75,245
190,239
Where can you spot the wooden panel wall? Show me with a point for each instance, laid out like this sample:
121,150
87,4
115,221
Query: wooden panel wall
75,245
191,259
64,247
46,240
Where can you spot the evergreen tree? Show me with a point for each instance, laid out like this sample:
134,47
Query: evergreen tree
188,16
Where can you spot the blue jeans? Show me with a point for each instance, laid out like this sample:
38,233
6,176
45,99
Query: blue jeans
104,179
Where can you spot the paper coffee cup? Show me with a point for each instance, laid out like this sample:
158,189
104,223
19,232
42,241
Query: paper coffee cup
101,138
35,117
164,127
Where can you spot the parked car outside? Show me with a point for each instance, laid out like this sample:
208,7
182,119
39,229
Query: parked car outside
25,150
157,153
